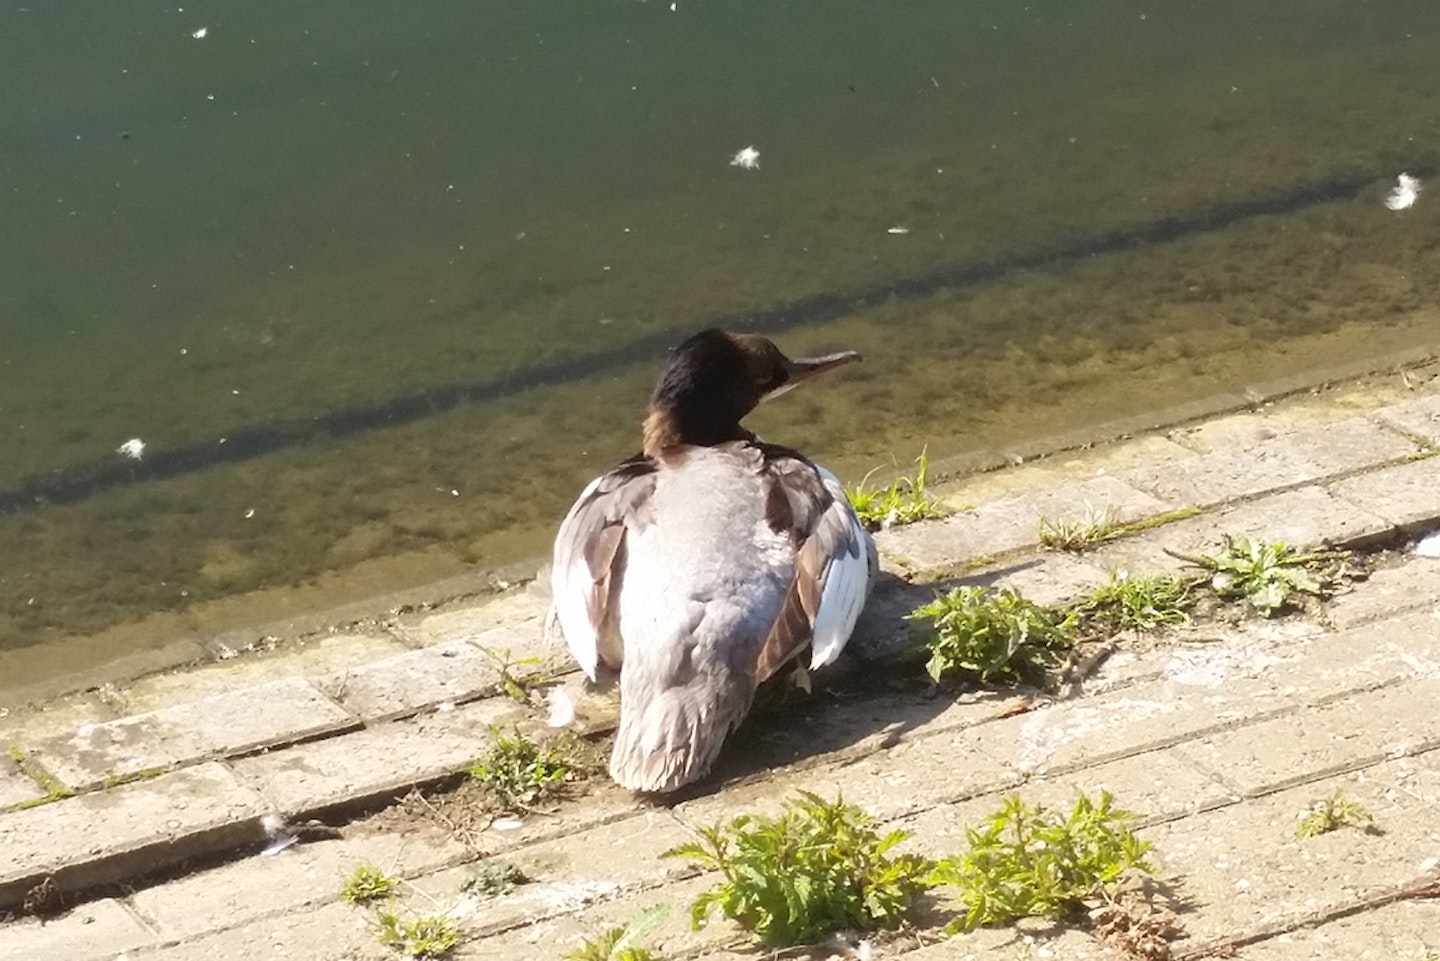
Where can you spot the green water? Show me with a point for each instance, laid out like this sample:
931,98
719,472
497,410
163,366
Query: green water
317,209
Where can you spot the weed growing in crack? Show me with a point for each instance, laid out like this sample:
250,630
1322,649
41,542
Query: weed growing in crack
1270,576
367,883
518,772
1096,528
491,878
993,636
1025,861
515,675
818,868
904,501
1138,604
618,944
427,936
1335,812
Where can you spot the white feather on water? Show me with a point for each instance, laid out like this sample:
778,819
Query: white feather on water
1406,192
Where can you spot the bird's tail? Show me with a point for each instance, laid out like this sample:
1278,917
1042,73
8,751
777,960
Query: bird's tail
669,736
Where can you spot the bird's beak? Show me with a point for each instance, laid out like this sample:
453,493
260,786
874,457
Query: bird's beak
803,368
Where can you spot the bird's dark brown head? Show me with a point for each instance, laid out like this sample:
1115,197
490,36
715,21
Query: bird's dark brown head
714,379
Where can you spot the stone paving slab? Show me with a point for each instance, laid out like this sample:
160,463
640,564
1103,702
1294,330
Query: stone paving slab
16,787
1339,736
300,876
125,831
1009,525
96,931
1418,418
333,932
1243,868
307,657
1404,931
1389,592
373,763
1406,495
446,672
274,713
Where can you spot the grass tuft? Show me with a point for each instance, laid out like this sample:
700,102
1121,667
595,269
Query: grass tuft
1269,576
1024,861
818,868
1096,528
1332,814
1137,604
904,501
518,772
428,936
367,883
993,636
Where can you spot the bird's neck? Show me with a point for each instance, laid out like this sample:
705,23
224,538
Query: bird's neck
666,427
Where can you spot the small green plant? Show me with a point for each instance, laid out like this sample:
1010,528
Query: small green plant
428,936
904,501
367,883
1335,812
518,771
491,878
1269,576
1096,528
1024,861
819,867
994,636
511,680
1125,603
618,944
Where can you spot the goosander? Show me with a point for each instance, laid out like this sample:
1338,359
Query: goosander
702,565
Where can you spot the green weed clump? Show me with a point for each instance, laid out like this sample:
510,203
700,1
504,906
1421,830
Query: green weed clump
1062,535
904,501
367,883
518,772
1024,861
618,944
1137,604
1333,813
490,878
429,936
818,868
1270,577
993,636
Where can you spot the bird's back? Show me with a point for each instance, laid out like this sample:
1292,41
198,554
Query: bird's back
705,578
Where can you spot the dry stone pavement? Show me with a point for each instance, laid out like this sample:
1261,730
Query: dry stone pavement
145,807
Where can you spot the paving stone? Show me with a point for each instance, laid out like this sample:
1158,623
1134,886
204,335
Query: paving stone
301,876
1338,736
516,621
1418,418
308,657
1225,475
1406,495
446,672
1334,448
1389,592
1067,467
1053,578
328,933
1404,931
273,713
1305,518
1243,870
370,764
127,830
16,787
1011,524
92,931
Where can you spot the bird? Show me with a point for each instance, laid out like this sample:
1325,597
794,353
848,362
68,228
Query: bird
699,567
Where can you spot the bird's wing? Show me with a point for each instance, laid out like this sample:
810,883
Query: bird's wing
590,562
833,561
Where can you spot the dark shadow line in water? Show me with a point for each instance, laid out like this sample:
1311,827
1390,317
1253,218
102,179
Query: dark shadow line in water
245,443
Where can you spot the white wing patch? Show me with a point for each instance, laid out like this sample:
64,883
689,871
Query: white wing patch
846,581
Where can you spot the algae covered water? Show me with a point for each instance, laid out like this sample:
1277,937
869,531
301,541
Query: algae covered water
379,287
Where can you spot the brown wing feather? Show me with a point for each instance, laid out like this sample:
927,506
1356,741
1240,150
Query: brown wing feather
796,500
594,531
